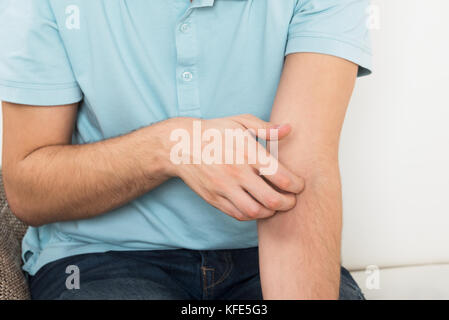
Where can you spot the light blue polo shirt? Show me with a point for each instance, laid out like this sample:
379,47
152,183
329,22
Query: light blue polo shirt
135,62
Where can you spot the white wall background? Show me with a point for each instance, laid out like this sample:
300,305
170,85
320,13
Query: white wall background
395,143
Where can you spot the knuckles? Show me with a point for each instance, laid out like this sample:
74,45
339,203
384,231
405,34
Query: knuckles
273,202
284,183
253,211
233,171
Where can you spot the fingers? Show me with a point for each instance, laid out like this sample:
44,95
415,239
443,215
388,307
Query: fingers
263,129
227,207
267,196
276,132
249,207
283,178
242,193
252,122
282,131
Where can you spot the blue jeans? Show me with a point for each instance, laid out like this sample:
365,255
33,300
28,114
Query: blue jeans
162,274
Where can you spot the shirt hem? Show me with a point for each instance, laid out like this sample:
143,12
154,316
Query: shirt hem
38,95
332,46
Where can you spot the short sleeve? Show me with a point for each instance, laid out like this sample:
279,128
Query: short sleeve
334,27
34,68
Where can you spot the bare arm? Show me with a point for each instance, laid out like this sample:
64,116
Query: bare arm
300,249
47,179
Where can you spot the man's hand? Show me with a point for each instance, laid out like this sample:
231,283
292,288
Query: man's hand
90,179
239,190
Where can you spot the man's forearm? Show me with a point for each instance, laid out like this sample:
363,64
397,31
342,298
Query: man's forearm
300,249
69,182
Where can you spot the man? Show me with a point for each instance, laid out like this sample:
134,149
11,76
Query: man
92,93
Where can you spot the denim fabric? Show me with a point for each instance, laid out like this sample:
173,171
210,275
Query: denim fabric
162,274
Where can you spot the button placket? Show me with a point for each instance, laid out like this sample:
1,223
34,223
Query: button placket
186,68
187,76
184,28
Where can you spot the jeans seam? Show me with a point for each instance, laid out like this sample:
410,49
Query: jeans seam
206,287
230,266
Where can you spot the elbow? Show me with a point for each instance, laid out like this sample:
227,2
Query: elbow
22,213
19,206
28,217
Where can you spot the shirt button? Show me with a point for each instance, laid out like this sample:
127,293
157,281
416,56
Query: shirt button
187,76
185,27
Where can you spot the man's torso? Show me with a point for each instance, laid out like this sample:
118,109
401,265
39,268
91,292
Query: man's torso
139,62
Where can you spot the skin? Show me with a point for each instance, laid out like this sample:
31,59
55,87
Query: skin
299,232
300,249
91,179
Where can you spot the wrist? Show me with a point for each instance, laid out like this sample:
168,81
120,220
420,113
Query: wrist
164,144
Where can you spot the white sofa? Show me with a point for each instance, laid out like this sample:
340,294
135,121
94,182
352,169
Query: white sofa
395,156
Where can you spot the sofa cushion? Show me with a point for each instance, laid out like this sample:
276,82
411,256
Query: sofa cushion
13,284
405,283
